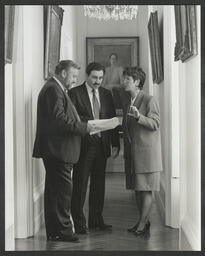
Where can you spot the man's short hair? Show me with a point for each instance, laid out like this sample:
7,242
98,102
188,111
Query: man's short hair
65,64
94,66
135,73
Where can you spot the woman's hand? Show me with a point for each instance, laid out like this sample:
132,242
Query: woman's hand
134,112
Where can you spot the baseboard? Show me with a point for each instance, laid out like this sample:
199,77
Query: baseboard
9,239
189,237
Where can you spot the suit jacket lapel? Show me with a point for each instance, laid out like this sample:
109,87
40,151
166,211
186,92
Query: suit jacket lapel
72,106
58,85
138,100
69,102
137,103
102,103
85,98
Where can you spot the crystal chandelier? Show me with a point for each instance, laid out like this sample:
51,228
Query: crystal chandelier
107,12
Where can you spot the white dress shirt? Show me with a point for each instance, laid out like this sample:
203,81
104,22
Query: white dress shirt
133,100
90,94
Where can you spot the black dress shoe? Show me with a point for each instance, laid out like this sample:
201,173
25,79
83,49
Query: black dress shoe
105,227
53,238
83,230
101,227
68,238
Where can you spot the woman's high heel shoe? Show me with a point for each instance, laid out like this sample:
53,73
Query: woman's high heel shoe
148,224
134,228
144,230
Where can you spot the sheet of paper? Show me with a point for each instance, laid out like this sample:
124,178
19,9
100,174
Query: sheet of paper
104,124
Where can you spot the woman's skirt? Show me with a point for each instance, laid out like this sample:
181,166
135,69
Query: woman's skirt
146,181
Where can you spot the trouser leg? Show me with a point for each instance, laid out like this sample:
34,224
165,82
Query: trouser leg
58,192
81,174
97,188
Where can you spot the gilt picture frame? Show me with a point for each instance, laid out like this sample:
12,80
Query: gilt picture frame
99,48
186,32
155,48
53,18
9,31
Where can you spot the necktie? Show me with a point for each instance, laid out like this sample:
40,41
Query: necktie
96,106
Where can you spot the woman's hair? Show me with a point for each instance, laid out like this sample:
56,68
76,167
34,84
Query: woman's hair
65,64
94,66
113,54
136,73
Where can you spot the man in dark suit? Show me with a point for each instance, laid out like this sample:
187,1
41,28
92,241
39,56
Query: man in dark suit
57,142
92,102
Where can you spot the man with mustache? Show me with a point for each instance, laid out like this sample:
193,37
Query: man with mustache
92,102
58,138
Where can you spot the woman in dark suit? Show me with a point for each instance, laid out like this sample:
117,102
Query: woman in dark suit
142,128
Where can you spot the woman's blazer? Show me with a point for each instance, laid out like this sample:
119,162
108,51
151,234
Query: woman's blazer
144,135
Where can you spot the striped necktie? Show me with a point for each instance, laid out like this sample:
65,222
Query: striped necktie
96,106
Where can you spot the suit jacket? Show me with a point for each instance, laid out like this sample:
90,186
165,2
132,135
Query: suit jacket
59,128
144,135
80,98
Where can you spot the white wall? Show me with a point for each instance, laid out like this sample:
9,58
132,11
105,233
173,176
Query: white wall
190,150
9,168
27,81
88,27
179,98
34,68
69,33
166,93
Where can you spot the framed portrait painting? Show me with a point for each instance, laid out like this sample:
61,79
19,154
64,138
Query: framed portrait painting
155,48
186,33
53,18
9,30
126,52
99,49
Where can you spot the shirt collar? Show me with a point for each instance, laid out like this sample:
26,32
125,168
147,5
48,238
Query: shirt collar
90,89
139,95
133,100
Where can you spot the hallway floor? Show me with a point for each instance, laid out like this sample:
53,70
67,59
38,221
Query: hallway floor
120,211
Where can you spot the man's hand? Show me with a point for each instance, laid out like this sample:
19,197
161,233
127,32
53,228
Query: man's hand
134,112
92,127
120,120
115,152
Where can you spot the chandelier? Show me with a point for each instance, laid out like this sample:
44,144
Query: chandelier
107,12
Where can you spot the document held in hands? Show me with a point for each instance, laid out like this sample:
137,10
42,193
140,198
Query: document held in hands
104,124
